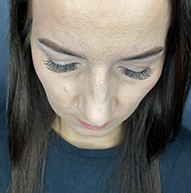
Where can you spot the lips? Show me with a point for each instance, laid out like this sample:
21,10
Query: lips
87,126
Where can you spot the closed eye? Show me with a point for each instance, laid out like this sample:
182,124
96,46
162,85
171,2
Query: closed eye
138,75
73,66
60,68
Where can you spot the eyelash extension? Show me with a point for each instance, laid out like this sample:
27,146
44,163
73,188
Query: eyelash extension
71,67
60,68
138,75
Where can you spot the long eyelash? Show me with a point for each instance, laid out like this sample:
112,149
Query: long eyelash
59,68
71,67
138,75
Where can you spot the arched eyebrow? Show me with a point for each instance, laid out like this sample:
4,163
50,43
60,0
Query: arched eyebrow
57,48
152,52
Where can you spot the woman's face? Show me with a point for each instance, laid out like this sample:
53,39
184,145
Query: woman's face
96,61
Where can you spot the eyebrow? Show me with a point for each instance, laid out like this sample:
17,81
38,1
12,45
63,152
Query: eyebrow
55,47
152,52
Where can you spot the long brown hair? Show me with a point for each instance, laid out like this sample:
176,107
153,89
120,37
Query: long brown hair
147,131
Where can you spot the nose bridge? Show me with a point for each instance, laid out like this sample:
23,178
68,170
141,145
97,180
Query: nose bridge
98,87
98,98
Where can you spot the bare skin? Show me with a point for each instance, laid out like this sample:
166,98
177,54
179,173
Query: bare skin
106,37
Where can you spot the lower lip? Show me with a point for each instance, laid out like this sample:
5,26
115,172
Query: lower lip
92,127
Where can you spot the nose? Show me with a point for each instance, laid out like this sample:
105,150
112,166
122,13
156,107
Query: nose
98,101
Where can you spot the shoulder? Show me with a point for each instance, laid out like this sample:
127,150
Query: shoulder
5,169
175,164
179,147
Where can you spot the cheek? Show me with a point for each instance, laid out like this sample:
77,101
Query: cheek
61,97
131,95
60,94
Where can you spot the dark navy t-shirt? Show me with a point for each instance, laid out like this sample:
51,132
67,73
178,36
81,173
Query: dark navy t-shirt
73,170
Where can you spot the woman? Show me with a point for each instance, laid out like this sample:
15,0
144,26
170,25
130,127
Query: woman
110,79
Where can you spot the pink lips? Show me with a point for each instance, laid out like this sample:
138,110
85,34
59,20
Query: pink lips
92,127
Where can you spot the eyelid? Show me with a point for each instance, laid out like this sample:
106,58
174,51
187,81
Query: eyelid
143,62
135,68
146,73
60,68
138,66
61,61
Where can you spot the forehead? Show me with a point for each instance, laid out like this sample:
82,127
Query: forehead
101,21
130,12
